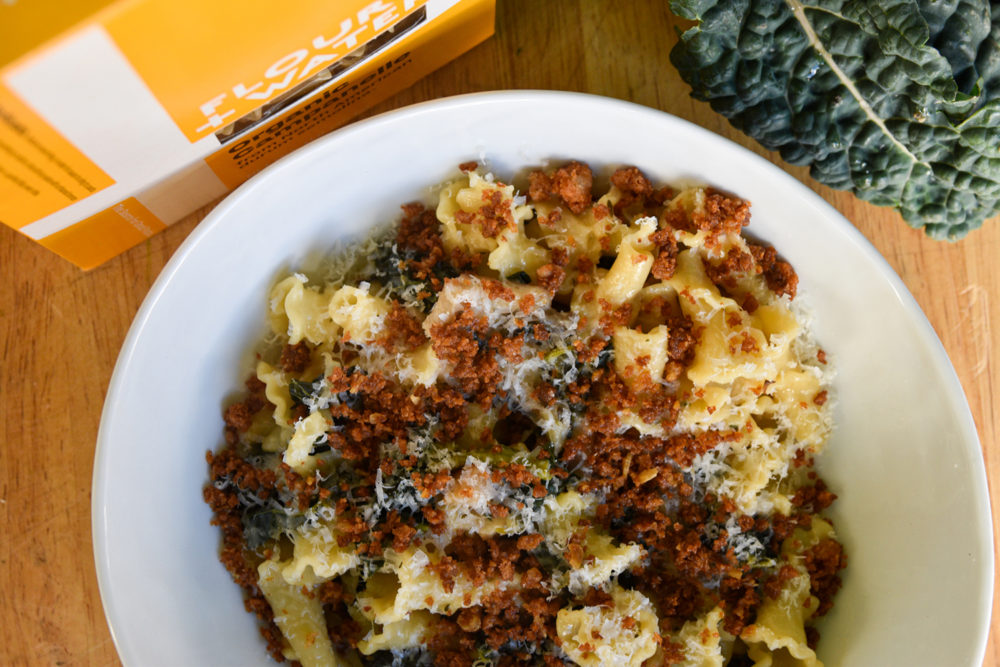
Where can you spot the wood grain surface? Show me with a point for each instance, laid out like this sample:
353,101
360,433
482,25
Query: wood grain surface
62,328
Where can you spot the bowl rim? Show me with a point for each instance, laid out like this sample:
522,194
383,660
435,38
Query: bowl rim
954,390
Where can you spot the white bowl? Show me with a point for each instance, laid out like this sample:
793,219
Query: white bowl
913,511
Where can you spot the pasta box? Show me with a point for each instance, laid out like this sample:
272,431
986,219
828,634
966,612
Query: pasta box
119,117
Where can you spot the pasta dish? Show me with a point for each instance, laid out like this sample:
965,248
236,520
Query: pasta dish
573,426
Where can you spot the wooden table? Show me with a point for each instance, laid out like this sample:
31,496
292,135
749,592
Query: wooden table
62,328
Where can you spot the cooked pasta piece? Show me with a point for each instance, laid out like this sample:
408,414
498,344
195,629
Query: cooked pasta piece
640,355
624,633
299,617
361,315
631,267
405,634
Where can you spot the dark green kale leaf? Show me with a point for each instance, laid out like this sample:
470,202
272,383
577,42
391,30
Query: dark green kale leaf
261,525
393,268
300,391
897,100
520,277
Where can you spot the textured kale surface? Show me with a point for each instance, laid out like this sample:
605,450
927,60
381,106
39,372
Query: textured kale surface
896,100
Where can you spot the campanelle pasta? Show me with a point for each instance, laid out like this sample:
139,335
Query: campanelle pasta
536,429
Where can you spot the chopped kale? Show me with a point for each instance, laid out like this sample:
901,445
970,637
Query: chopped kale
301,391
263,525
519,277
606,261
394,271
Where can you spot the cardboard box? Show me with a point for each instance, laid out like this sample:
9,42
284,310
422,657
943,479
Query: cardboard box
133,113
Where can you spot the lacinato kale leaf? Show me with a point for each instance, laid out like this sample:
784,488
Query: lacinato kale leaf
896,100
300,391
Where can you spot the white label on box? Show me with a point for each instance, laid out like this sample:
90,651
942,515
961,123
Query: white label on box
86,90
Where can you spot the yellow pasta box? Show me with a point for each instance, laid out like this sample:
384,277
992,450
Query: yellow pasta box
119,117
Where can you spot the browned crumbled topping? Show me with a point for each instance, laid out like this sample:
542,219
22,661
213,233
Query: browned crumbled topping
595,597
773,586
331,592
493,217
474,369
497,290
223,498
515,475
748,344
662,195
539,186
824,561
588,350
613,316
391,532
551,219
304,488
740,599
665,262
545,394
295,358
632,181
402,330
431,484
387,414
435,518
779,274
815,498
635,192
419,231
470,619
802,458
529,542
733,265
722,213
550,276
512,348
526,304
239,416
560,256
682,338
571,183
